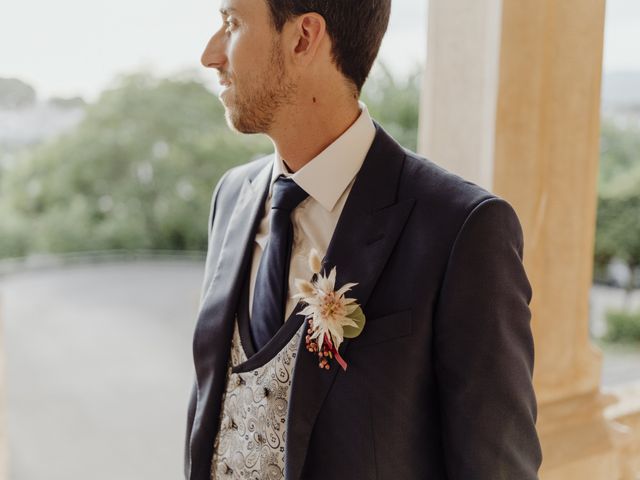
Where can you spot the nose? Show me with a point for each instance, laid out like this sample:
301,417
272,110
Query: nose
214,54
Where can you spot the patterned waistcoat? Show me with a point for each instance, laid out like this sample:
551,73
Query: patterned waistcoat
250,443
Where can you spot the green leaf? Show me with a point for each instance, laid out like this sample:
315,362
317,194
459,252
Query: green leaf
358,317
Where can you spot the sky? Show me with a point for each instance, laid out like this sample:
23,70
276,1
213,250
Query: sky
76,47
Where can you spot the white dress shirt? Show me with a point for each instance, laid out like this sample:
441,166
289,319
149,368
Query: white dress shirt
328,179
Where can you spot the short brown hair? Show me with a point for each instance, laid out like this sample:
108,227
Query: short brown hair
356,28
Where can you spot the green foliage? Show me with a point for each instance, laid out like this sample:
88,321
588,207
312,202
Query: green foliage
395,104
139,170
137,173
623,326
358,317
618,220
619,154
618,226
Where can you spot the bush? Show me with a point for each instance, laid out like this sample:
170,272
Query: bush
623,326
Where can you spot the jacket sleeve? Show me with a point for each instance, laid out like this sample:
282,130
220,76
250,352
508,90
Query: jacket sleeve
191,411
193,400
484,354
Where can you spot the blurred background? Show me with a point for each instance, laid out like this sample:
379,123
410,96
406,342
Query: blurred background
111,141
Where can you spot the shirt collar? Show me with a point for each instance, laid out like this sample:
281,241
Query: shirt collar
327,176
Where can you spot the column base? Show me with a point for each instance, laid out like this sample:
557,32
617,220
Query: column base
625,413
578,441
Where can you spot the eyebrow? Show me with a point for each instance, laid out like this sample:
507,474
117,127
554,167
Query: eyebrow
226,11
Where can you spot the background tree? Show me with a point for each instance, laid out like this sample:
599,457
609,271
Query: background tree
618,220
137,173
15,93
618,223
139,170
619,153
395,104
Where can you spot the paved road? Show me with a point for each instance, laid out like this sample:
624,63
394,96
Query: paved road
99,368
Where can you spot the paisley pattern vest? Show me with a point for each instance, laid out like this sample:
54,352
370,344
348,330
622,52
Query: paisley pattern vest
250,443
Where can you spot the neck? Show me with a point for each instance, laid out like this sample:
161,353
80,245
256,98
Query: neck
304,130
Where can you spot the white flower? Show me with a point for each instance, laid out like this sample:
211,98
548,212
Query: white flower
328,308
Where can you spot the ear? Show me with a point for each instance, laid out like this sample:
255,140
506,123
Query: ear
310,31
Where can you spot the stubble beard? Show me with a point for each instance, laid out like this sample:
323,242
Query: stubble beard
254,110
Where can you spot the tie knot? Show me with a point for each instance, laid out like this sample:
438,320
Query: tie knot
287,194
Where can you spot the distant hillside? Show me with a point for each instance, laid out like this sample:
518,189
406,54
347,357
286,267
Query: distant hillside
15,93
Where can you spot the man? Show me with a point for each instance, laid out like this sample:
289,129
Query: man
437,385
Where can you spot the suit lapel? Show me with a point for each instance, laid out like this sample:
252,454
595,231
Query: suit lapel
212,338
364,238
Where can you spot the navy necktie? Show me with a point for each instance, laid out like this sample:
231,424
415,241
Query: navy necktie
269,293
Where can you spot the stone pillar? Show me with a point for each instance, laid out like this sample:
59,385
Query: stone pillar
511,101
460,86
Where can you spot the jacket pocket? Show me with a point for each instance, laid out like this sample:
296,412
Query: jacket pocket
382,329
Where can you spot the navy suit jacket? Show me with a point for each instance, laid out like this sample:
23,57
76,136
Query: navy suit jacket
439,383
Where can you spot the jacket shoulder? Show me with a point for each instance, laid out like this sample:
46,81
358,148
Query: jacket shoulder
440,189
446,202
232,180
230,185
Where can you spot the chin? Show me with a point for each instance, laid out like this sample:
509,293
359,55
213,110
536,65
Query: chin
243,118
239,123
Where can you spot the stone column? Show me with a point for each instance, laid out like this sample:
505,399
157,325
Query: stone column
511,101
460,86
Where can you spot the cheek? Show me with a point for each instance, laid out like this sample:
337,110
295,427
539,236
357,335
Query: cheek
246,52
238,54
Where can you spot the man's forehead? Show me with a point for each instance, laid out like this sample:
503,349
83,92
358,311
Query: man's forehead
228,7
241,7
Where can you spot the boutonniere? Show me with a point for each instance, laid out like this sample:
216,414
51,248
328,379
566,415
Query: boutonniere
332,316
